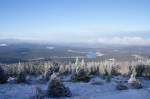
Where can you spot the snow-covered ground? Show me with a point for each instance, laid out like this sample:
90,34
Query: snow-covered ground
79,90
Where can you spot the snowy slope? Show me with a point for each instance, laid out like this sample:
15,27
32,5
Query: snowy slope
79,91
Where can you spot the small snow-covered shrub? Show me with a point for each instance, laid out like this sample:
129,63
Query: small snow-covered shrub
3,76
12,80
21,77
115,70
108,78
135,83
96,82
56,88
48,74
121,86
132,79
38,93
81,75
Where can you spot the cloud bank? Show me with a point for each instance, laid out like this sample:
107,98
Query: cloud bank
125,41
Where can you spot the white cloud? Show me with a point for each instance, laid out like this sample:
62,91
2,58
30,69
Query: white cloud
125,40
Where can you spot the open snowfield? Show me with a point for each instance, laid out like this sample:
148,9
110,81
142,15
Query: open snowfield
79,90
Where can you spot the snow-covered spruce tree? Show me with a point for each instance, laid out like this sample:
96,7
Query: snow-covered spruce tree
68,68
52,68
21,76
139,69
83,63
47,70
3,76
102,69
109,72
79,72
125,68
73,68
56,88
63,69
77,61
135,83
77,65
105,71
146,72
80,76
94,68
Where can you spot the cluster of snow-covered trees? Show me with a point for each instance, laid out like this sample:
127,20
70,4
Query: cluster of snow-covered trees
91,68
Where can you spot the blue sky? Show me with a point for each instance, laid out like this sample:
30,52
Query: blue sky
74,20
